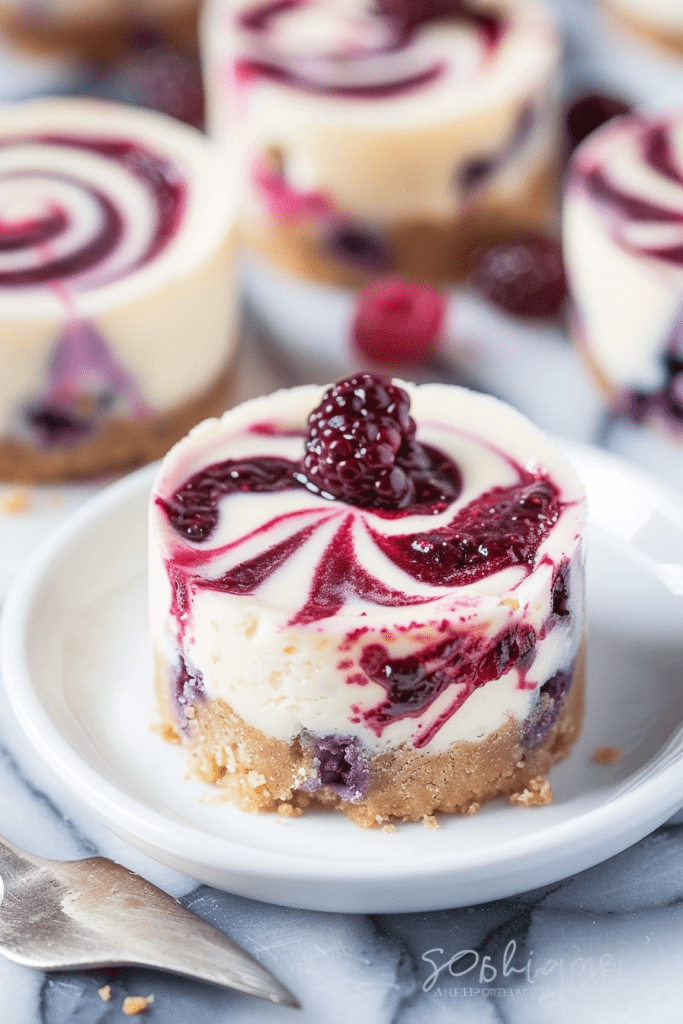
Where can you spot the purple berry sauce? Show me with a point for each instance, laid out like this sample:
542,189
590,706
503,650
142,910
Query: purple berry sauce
378,91
551,698
656,152
405,18
188,689
412,684
56,427
358,245
340,765
393,476
85,382
667,401
500,529
27,233
163,182
193,508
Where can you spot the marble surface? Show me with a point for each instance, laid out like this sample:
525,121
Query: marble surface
604,945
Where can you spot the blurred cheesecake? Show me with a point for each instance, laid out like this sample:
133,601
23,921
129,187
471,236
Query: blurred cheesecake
385,139
623,239
117,304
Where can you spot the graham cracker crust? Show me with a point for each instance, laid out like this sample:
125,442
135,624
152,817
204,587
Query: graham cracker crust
438,252
258,773
662,38
120,445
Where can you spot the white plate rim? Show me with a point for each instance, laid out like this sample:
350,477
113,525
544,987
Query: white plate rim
569,845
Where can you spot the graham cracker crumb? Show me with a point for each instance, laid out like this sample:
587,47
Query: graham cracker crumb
607,755
133,1005
104,993
287,811
167,732
255,779
209,771
388,828
429,821
473,808
537,793
15,502
512,602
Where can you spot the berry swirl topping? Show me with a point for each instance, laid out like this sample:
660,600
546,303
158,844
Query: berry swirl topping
375,515
364,50
332,567
83,211
632,171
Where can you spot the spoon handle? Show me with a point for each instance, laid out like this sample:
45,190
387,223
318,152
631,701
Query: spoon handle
13,861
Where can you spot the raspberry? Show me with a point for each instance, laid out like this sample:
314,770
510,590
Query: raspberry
361,445
524,275
398,321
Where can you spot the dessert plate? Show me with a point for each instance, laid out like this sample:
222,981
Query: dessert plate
29,514
77,668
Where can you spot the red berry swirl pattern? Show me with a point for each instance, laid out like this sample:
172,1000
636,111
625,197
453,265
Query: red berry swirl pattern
83,211
370,51
633,173
500,529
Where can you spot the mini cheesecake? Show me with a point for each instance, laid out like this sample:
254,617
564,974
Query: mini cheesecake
369,597
623,244
118,308
386,138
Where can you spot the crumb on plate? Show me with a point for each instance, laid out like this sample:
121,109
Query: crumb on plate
607,755
537,793
133,1005
15,502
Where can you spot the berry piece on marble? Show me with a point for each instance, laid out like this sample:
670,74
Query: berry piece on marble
523,275
398,321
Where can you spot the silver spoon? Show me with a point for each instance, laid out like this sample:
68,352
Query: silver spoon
64,915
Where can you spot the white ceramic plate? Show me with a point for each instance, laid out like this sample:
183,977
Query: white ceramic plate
76,664
29,514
